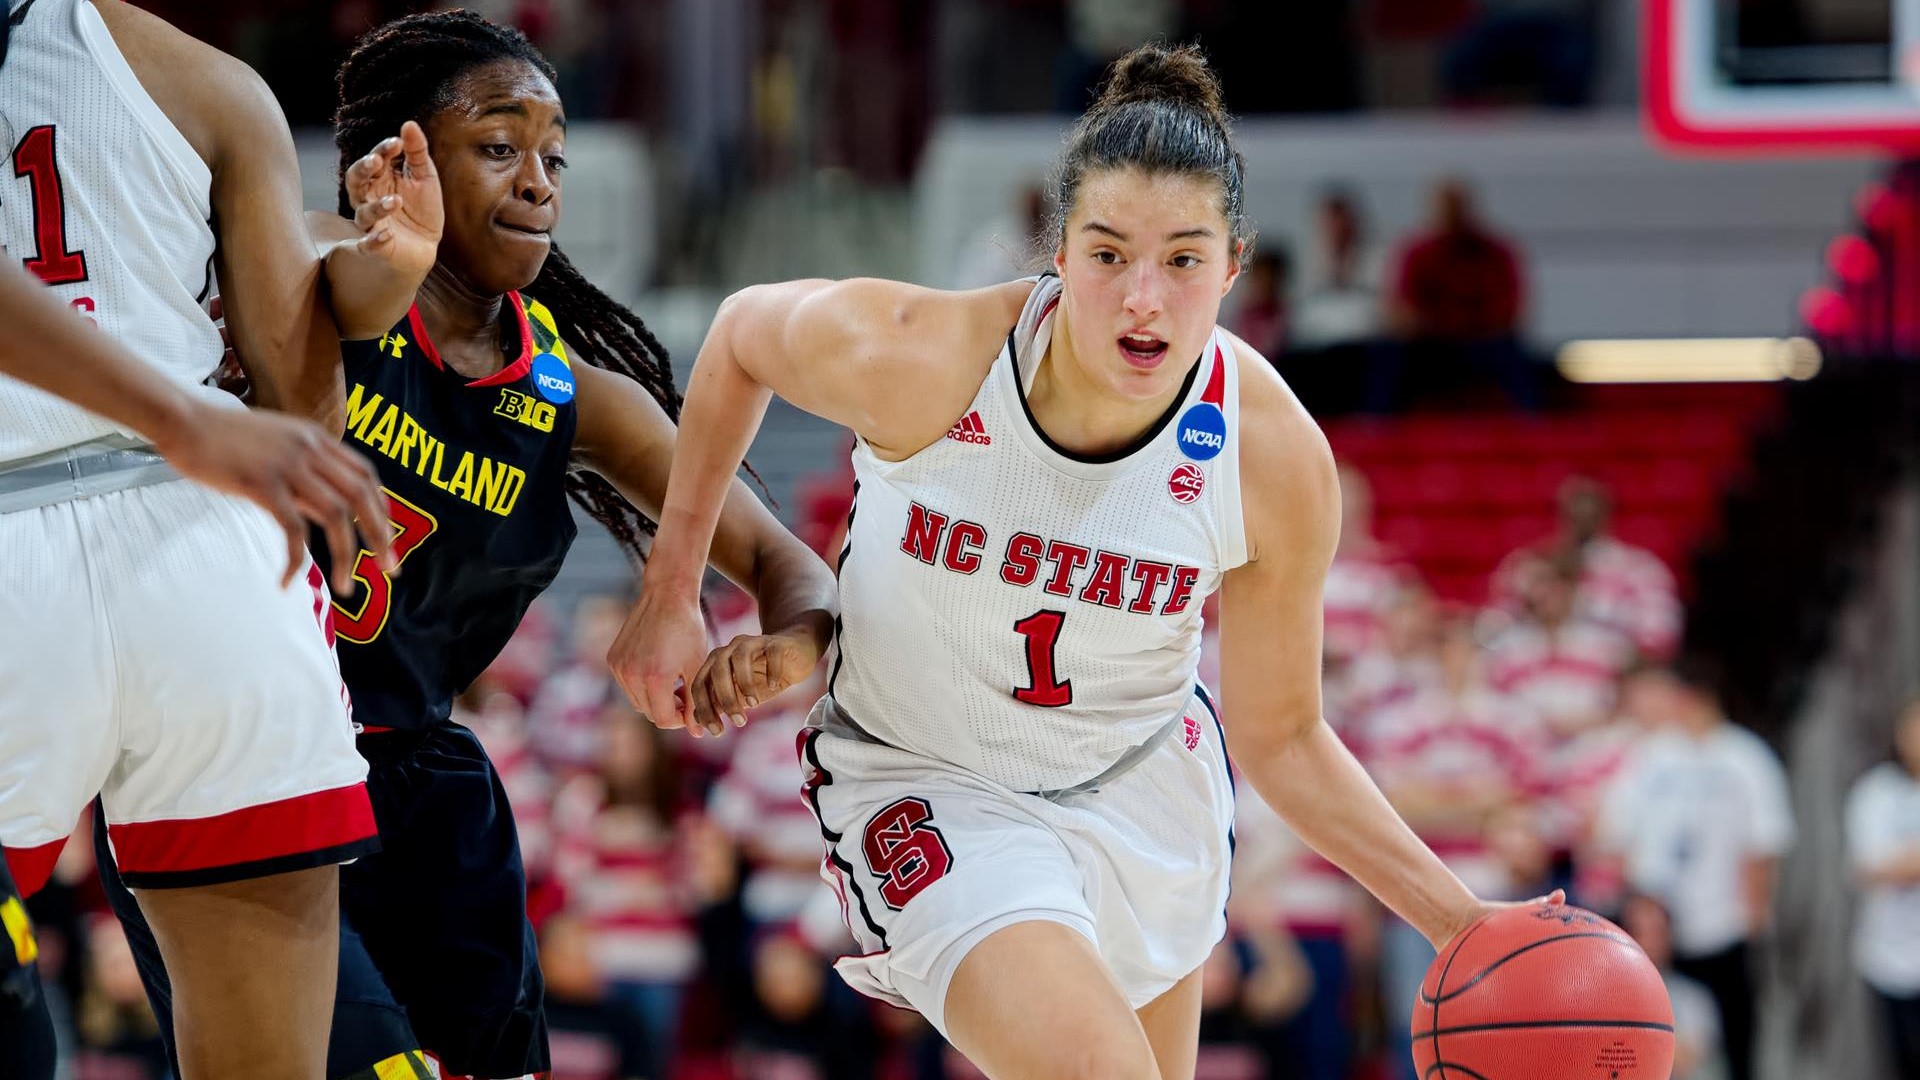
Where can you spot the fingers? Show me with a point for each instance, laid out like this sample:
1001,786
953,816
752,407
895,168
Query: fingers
363,175
320,503
368,215
660,703
295,527
413,148
360,487
714,699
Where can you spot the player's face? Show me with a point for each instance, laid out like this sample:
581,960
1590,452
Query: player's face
499,149
1145,261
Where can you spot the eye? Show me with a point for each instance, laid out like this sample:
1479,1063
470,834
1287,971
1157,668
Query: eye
497,151
555,163
1186,262
1106,257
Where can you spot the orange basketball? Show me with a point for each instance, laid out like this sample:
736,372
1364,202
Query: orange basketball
1543,992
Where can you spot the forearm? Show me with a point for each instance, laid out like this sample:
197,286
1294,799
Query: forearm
795,592
724,406
1315,784
52,348
1757,880
369,295
1900,869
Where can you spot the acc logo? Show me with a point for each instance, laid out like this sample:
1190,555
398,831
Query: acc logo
530,411
1203,432
1186,483
552,378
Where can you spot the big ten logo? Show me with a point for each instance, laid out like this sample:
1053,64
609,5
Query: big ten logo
528,410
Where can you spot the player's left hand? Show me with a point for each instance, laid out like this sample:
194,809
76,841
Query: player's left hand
395,195
747,671
657,655
1483,908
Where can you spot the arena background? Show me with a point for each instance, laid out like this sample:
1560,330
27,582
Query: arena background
1716,327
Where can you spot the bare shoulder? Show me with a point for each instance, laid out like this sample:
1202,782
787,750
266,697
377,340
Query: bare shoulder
1289,487
215,100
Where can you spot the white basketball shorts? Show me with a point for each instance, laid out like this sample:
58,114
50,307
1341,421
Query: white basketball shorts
149,655
928,859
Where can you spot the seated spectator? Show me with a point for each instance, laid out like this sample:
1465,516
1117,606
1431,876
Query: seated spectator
1364,581
1696,1020
1243,992
1628,588
1883,842
1579,773
1407,660
621,858
794,1028
1449,755
1455,309
593,1035
1284,889
500,722
1260,301
757,802
119,1037
564,718
525,663
1700,817
1339,294
1566,669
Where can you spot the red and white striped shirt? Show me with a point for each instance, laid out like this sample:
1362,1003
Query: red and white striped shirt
625,876
1625,587
1568,676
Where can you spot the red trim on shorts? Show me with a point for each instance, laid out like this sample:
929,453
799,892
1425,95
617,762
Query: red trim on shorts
31,867
305,824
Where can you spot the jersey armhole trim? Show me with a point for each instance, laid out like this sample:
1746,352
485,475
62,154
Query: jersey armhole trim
195,176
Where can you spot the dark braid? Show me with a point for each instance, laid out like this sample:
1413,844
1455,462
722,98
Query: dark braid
407,70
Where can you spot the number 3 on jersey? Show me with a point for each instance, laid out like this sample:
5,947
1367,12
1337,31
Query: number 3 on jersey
410,526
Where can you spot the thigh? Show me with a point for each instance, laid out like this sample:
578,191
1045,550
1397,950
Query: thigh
1172,1023
442,907
369,1027
236,754
1034,1001
57,736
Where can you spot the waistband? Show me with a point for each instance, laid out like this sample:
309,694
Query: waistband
114,463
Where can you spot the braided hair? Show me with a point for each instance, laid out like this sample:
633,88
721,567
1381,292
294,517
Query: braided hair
407,70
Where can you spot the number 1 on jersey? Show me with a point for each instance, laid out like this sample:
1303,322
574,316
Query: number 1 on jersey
1044,688
34,161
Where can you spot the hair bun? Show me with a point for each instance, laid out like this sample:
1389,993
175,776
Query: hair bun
1176,74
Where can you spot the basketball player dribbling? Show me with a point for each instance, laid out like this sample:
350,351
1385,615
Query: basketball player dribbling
152,647
1022,784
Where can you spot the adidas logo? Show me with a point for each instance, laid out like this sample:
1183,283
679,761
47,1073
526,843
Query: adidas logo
971,430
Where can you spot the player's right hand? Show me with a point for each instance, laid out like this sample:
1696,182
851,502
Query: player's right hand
394,192
658,655
298,473
749,670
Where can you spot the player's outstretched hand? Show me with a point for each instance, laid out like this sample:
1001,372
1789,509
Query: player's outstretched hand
395,195
295,470
748,670
657,656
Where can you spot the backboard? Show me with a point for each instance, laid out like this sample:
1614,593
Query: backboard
1783,76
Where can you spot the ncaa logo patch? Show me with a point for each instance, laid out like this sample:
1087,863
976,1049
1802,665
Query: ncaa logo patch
1203,432
552,379
1186,483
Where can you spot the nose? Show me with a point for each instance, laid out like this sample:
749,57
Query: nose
533,183
1146,290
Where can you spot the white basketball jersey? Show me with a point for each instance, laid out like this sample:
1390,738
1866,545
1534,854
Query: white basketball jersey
1027,613
107,203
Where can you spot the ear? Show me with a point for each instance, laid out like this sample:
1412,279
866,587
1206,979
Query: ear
1234,266
1060,260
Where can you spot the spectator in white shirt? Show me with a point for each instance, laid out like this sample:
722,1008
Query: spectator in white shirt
1883,841
1701,816
1564,665
1696,1020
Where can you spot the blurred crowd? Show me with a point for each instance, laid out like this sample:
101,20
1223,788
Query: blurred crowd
1550,738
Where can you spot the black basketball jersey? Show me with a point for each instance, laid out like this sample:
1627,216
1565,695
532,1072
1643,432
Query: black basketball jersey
475,475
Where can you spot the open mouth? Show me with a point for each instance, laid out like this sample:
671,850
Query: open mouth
1143,350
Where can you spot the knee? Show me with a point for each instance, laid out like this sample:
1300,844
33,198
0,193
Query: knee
1105,1060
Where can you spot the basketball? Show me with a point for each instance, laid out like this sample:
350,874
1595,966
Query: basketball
1543,992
